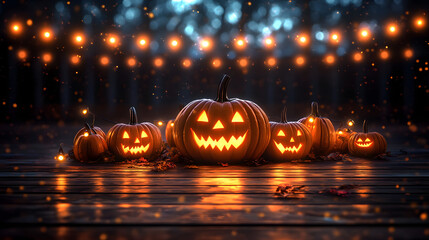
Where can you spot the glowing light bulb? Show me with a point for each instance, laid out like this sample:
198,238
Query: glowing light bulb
335,38
86,134
311,120
60,157
143,42
364,34
350,123
160,123
419,23
85,111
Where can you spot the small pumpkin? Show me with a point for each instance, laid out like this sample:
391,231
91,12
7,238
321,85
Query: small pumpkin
89,146
367,144
98,130
322,131
134,140
169,133
341,144
221,130
289,140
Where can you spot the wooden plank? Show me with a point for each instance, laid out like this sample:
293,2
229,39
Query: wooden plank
211,199
222,214
214,232
188,189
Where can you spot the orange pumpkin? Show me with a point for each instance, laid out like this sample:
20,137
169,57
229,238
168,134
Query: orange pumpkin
221,130
89,146
367,144
169,133
134,140
98,130
343,135
322,131
289,140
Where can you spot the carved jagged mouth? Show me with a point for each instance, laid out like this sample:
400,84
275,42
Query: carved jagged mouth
364,145
135,150
219,143
283,149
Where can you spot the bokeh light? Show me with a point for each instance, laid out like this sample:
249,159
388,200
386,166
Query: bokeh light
357,57
419,22
22,54
47,57
334,37
206,44
300,60
303,40
104,60
329,59
392,29
364,34
384,54
186,63
240,43
269,42
271,62
216,63
112,40
78,39
243,62
143,42
132,62
158,62
46,34
75,59
408,53
174,43
16,28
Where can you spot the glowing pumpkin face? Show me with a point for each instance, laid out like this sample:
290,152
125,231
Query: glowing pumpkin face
134,140
367,144
221,130
289,140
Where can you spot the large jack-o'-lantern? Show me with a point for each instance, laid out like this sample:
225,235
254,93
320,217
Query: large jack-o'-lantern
221,130
367,144
134,140
322,131
289,140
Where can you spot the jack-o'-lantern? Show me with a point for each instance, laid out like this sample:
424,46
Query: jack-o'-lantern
322,131
221,130
289,140
98,130
343,134
169,133
367,144
89,146
134,140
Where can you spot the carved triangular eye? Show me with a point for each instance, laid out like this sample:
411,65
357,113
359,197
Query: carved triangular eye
281,133
359,140
203,117
144,134
126,135
237,117
367,140
298,133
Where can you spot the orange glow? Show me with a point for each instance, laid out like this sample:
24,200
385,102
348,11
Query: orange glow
47,57
143,42
271,61
311,120
330,59
206,44
363,144
217,63
86,134
384,54
303,40
160,123
419,23
85,111
408,53
203,117
75,59
186,63
364,34
112,40
174,43
240,43
243,62
350,123
218,143
392,29
335,37
78,39
158,62
218,125
60,157
29,22
16,28
269,42
22,54
131,62
292,149
300,61
46,35
237,117
104,60
357,57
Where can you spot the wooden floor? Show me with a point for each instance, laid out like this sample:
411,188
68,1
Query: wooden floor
40,198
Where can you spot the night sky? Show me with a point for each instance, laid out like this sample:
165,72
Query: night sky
358,59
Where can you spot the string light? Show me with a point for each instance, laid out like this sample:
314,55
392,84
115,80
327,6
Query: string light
174,43
300,60
217,63
206,44
186,63
350,123
158,62
60,156
240,43
104,61
143,42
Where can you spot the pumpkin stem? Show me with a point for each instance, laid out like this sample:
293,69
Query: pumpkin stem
60,150
315,109
221,91
283,117
365,126
89,129
93,120
133,116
